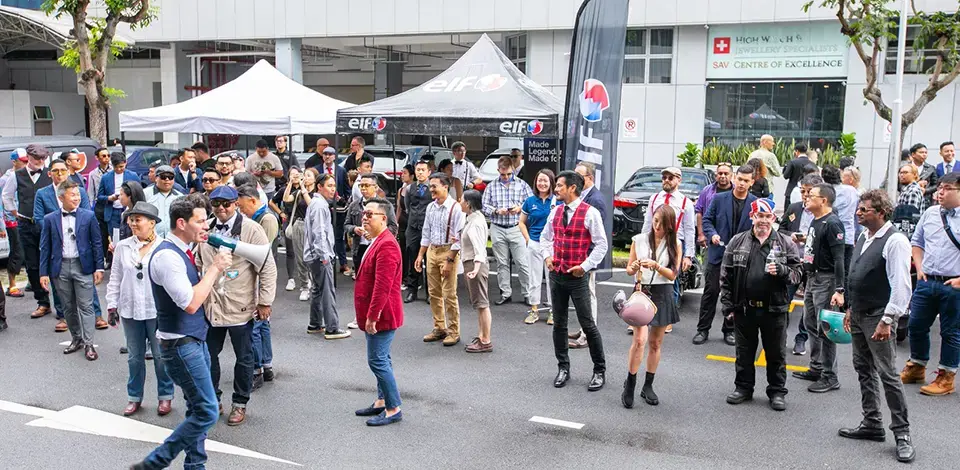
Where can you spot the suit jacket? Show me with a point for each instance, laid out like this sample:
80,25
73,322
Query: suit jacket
108,188
941,170
45,202
340,175
793,172
790,222
88,235
194,183
355,219
376,293
595,199
928,172
720,220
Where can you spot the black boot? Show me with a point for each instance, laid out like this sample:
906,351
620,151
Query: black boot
647,392
629,387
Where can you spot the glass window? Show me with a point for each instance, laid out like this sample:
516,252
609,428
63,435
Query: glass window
742,112
649,56
516,50
915,61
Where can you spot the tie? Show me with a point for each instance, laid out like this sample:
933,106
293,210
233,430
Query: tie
329,170
459,162
420,190
667,201
193,260
36,172
222,227
567,212
69,214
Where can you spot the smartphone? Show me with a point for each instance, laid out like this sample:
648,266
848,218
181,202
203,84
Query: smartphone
800,237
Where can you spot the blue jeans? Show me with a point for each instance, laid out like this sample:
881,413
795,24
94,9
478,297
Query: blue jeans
262,345
929,299
189,367
378,358
58,306
138,332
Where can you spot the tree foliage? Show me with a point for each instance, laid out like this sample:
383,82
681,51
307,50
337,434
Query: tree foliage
92,47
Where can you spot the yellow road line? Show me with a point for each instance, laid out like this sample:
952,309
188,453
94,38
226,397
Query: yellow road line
761,361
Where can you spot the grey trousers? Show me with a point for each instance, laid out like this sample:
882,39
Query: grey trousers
323,297
76,293
296,250
823,352
875,360
507,242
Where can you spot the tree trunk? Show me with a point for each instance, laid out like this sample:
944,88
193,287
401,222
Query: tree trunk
98,113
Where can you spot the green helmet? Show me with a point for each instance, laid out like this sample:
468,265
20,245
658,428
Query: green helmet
831,323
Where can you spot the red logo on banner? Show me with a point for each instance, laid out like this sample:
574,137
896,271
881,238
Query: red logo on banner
721,45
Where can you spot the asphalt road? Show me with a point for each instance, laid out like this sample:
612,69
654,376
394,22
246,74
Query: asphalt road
459,409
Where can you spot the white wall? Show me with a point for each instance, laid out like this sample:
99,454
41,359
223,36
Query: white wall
16,112
68,118
137,83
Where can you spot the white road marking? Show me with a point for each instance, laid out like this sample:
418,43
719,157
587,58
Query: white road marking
615,284
556,422
90,421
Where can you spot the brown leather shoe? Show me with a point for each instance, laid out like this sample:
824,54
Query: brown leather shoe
578,343
131,408
164,407
40,312
74,346
237,416
575,335
101,324
451,339
61,326
434,336
942,385
478,346
90,353
913,373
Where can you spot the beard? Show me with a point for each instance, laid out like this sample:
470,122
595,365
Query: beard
762,231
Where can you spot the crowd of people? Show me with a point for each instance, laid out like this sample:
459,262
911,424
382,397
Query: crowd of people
178,296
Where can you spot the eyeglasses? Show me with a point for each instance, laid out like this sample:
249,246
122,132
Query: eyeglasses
221,203
58,170
947,188
369,214
165,177
210,180
366,185
667,177
225,163
865,210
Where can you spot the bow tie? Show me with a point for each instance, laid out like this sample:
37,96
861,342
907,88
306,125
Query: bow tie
69,214
222,226
36,172
459,162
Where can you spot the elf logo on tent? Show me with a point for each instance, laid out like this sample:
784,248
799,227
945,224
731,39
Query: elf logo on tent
374,124
485,83
533,127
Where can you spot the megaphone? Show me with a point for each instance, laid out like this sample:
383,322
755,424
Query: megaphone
256,254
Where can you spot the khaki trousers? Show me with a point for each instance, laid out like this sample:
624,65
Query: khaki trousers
443,291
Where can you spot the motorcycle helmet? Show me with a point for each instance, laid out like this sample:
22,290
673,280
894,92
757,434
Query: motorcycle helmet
831,322
637,310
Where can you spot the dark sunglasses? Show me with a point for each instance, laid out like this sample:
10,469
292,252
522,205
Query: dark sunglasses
210,180
221,203
165,177
369,214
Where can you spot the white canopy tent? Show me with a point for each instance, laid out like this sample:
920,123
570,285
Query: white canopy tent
261,101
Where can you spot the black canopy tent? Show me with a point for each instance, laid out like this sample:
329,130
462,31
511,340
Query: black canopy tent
481,94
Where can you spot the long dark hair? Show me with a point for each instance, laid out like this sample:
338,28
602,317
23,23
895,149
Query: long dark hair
668,220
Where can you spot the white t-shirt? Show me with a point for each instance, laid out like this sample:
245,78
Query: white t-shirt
641,243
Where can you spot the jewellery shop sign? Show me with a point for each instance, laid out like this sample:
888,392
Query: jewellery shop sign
784,50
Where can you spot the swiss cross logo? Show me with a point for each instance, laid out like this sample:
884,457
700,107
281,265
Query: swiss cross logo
721,45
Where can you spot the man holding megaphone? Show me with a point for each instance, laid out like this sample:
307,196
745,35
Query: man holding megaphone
244,291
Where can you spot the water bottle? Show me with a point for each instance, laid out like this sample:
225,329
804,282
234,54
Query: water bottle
774,256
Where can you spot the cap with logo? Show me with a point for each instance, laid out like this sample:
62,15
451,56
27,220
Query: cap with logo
19,154
671,170
227,193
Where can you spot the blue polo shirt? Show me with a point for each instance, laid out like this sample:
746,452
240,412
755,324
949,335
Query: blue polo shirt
537,210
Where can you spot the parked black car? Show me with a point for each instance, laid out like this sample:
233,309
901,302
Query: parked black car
630,203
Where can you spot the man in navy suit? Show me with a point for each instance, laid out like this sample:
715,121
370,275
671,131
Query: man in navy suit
728,215
109,191
949,165
74,271
187,174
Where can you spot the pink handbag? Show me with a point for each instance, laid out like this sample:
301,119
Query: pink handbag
638,310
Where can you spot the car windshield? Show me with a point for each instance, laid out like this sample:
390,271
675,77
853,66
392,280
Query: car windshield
650,181
489,168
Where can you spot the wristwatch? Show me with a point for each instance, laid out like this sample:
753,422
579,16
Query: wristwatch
887,319
840,290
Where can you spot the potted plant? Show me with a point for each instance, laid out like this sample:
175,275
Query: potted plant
690,156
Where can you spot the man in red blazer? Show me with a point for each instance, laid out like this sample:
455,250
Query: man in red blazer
376,297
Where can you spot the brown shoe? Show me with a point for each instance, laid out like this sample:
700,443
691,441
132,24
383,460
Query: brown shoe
131,408
575,335
913,373
237,416
942,385
578,343
478,346
164,407
61,326
40,312
451,339
101,324
434,336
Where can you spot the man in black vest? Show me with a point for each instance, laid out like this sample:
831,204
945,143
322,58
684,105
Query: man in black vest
18,198
417,199
878,290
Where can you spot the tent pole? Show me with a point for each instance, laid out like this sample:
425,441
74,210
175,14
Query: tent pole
123,141
393,156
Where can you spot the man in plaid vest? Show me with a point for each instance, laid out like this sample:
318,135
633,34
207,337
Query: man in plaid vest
573,243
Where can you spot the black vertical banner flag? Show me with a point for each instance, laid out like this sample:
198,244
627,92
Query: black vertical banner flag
593,99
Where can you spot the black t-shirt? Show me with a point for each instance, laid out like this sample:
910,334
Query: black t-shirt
301,209
824,235
759,284
737,209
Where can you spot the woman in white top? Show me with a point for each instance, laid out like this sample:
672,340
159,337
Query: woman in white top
130,296
473,242
655,261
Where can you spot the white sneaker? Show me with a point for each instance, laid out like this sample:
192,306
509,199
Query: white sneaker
353,325
304,295
291,284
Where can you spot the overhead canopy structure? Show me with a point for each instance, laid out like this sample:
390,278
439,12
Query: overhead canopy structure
481,94
261,101
20,27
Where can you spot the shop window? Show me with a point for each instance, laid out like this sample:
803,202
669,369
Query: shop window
649,56
915,61
809,112
517,51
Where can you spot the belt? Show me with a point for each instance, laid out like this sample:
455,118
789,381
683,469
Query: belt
25,218
757,303
940,278
440,246
175,343
504,225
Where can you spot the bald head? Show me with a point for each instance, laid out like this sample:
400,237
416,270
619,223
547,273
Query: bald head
766,141
322,143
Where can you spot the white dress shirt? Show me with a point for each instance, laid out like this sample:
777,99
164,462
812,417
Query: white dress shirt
162,202
897,255
117,182
687,232
592,221
132,297
69,227
9,195
465,171
436,230
170,272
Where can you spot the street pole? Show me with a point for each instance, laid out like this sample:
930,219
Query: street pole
896,124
